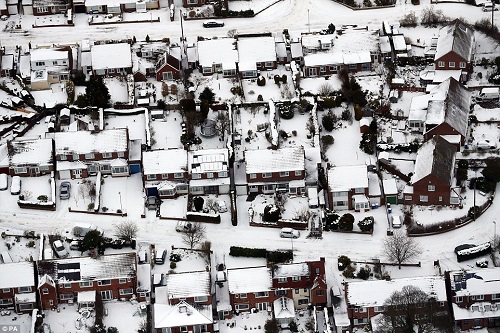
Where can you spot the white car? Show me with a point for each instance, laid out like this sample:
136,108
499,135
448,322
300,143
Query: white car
221,206
289,233
59,249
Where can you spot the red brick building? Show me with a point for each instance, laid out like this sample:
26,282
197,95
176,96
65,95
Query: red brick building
17,286
367,299
165,172
31,158
67,280
348,188
182,318
306,280
455,49
209,171
191,287
475,297
82,153
432,180
268,170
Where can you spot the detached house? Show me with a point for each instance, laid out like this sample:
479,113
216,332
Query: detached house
165,172
77,280
268,170
31,158
50,66
111,59
82,153
367,299
209,171
455,50
475,297
432,179
169,65
218,56
305,279
256,54
251,288
17,286
348,188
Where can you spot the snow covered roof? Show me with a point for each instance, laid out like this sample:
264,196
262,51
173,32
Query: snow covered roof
356,40
288,270
437,157
181,314
48,54
399,42
345,178
385,44
476,282
121,265
318,59
375,292
25,298
315,41
190,284
82,142
284,308
164,161
477,310
208,160
270,160
86,296
218,51
390,186
144,277
458,38
256,49
86,59
373,185
111,56
246,280
37,151
296,50
17,274
8,61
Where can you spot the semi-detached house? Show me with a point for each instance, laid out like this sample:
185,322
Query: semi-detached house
17,286
165,172
31,158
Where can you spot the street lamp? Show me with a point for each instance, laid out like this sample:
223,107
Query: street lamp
121,207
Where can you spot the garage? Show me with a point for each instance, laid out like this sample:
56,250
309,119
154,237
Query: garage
64,174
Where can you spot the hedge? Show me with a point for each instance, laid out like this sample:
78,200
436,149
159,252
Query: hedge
272,256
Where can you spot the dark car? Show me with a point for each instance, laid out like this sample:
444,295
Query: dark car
152,202
213,24
175,257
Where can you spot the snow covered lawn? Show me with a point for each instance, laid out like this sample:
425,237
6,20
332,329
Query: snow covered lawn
33,187
167,133
123,193
124,316
55,19
270,89
64,319
19,248
117,89
174,208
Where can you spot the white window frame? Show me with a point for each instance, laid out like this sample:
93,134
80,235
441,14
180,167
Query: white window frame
424,198
298,172
463,65
458,299
267,174
85,284
210,175
201,299
451,64
253,176
441,63
107,155
102,282
284,173
178,175
127,291
431,188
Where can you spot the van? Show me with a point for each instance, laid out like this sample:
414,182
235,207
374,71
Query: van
4,181
490,93
15,186
289,233
489,7
161,255
312,194
81,229
396,221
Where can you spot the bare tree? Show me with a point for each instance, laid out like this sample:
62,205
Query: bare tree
232,33
206,249
325,89
194,235
411,307
400,248
222,123
126,230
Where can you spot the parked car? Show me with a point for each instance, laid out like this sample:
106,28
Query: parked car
151,202
15,185
183,226
64,190
175,257
59,249
4,181
161,255
289,233
486,144
221,206
75,245
396,221
488,7
213,24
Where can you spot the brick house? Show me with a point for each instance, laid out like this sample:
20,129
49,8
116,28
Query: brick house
475,297
182,317
209,171
111,59
256,54
169,65
367,299
42,7
446,113
165,172
455,49
306,279
432,180
191,287
31,158
348,188
17,286
218,56
82,153
268,170
252,288
64,281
